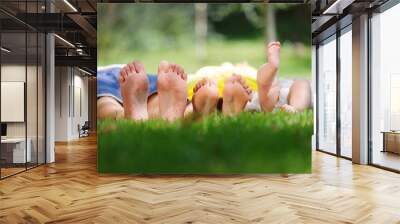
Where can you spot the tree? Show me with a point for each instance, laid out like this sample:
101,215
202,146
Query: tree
270,23
201,23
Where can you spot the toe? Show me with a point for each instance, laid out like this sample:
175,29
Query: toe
249,91
122,74
184,76
172,68
242,81
131,69
199,84
229,79
163,67
274,43
139,67
236,77
180,71
196,87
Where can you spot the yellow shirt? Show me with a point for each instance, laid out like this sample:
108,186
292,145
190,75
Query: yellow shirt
220,73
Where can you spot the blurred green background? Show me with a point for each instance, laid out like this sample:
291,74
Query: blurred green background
197,35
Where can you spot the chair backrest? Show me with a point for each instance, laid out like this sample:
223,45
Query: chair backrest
86,125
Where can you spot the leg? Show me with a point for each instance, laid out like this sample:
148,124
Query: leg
299,97
134,85
172,91
235,95
266,78
108,107
205,96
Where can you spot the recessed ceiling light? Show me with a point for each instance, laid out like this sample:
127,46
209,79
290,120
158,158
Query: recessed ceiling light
86,72
337,7
64,40
5,50
70,5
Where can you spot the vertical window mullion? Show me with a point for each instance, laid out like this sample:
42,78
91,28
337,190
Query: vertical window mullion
37,90
26,86
316,97
338,76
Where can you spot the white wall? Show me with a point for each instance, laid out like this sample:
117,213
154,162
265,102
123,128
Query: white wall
13,73
70,83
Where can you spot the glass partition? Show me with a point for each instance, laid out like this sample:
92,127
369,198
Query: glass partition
41,110
31,97
13,94
22,107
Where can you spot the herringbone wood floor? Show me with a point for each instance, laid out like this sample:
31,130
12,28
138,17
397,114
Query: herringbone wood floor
71,191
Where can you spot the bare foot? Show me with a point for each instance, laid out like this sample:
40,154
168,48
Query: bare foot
288,108
205,96
172,90
134,85
266,77
235,95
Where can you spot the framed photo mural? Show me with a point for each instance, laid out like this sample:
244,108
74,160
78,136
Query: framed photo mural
204,88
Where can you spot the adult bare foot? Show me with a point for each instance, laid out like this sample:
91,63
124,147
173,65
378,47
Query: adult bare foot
134,85
235,95
172,90
266,78
205,96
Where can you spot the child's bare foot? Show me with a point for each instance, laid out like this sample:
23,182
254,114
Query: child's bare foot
235,95
205,96
266,77
274,52
134,85
172,91
288,108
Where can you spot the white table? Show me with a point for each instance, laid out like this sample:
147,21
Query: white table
18,149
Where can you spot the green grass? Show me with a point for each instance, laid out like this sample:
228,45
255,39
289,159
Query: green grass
295,62
249,143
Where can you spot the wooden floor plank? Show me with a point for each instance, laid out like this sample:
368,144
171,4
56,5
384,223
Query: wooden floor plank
71,191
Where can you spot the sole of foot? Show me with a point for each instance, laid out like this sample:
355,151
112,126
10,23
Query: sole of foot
205,96
172,90
235,95
134,85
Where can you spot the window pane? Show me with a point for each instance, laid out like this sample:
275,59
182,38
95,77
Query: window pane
346,94
385,84
327,96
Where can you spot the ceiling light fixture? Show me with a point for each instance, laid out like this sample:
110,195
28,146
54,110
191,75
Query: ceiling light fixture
86,72
64,40
70,5
337,7
5,50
